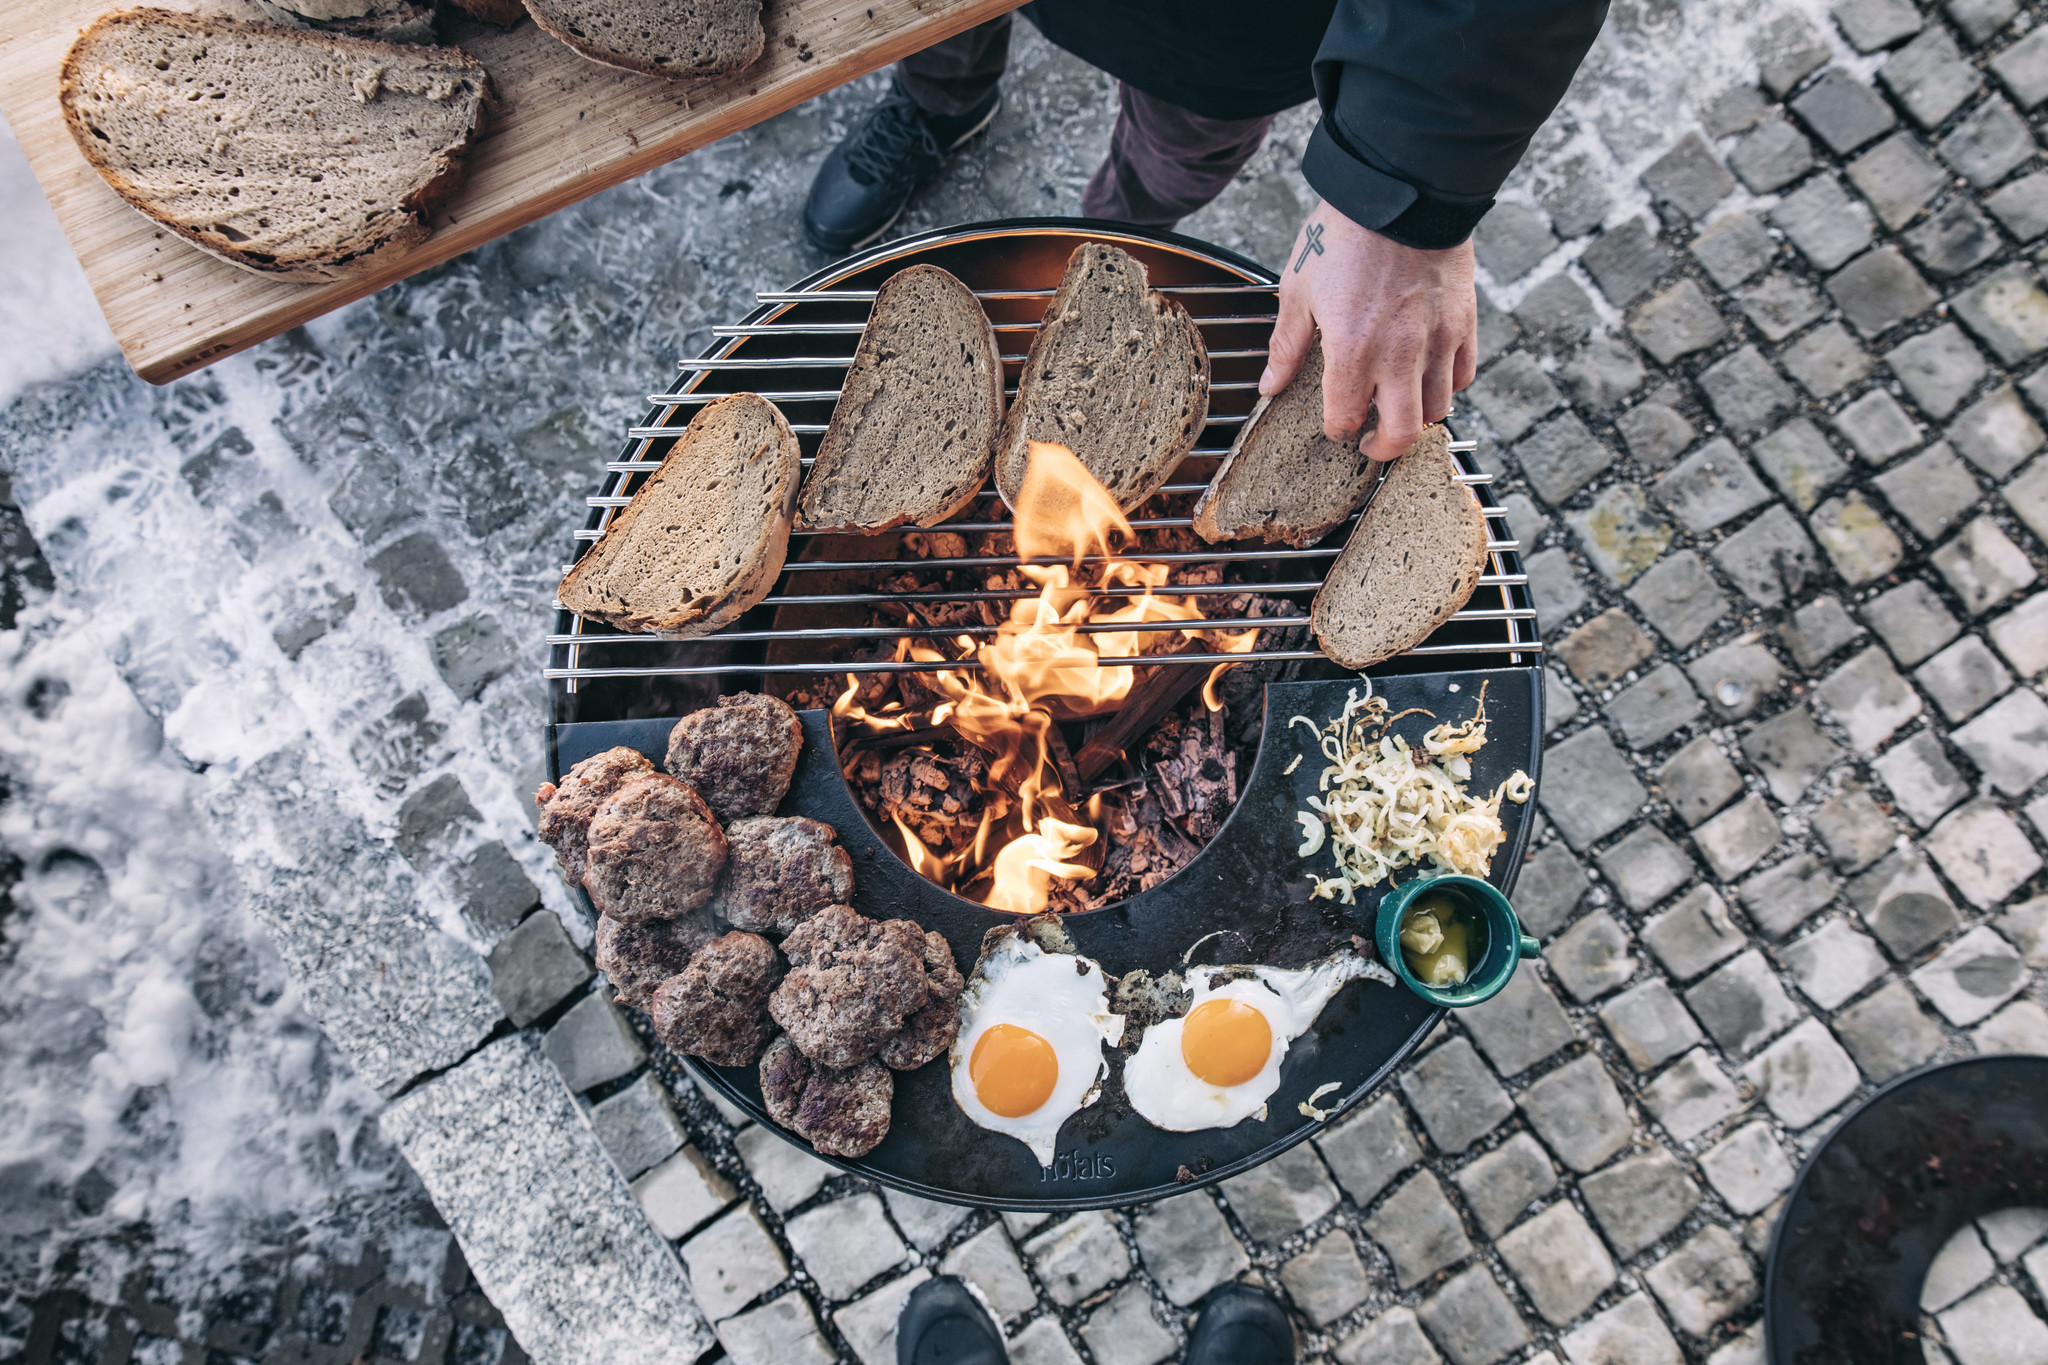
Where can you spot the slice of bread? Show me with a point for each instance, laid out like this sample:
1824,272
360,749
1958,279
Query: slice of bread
284,151
1283,479
1411,563
391,21
703,539
915,427
675,39
1117,374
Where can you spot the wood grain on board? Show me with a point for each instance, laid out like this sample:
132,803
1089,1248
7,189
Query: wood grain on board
566,129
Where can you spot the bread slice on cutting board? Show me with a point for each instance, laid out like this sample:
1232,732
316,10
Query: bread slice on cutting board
1117,374
391,21
705,535
284,151
915,428
1283,479
1410,565
674,39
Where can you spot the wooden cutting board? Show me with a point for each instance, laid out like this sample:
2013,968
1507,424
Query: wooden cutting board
567,128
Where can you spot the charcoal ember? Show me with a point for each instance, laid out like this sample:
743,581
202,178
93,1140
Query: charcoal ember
716,1008
1193,772
852,982
1145,848
937,795
995,544
567,808
932,1029
655,851
740,754
637,958
842,1113
779,871
935,544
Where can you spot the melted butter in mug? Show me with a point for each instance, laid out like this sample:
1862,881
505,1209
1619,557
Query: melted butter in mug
1441,940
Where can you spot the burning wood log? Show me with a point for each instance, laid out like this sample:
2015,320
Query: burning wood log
1155,694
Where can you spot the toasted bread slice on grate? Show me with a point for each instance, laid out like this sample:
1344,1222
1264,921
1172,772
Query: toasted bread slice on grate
674,39
704,538
915,428
1283,479
1117,374
391,21
1410,565
286,151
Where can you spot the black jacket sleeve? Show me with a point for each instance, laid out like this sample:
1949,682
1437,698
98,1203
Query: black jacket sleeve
1428,104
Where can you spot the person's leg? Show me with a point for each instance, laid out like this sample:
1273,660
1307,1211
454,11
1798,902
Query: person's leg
1165,162
942,1323
1240,1325
941,97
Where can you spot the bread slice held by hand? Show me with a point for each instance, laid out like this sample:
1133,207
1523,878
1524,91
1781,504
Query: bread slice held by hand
1410,565
1283,479
1117,374
674,39
704,538
285,151
915,428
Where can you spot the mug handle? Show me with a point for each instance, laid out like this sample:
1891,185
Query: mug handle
1530,947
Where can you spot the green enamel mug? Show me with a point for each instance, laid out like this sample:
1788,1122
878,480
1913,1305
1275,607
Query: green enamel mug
1506,944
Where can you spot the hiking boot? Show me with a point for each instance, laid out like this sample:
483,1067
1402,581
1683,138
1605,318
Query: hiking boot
867,179
944,1324
1240,1325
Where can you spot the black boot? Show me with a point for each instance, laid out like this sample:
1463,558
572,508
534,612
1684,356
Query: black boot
943,1324
867,179
1240,1325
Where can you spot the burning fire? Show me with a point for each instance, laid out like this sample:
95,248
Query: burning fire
1042,668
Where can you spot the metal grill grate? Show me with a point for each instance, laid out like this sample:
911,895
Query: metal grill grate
794,351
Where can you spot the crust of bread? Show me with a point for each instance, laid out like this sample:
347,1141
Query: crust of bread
738,60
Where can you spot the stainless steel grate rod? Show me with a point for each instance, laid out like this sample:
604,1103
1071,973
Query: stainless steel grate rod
1491,580
832,395
840,362
1137,523
840,329
868,295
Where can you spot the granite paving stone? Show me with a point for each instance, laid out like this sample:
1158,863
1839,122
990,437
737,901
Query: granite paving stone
591,1043
1842,111
1327,1280
496,892
1983,567
1557,315
1788,50
1698,780
1187,1246
1677,322
1898,177
1868,699
1747,1168
1903,903
990,1263
1824,221
1995,433
1738,838
1555,586
1712,486
1736,247
1578,1113
1514,395
925,1223
1549,890
1930,78
1931,491
1980,20
1518,1028
1042,1342
2006,311
1939,368
2025,926
1771,156
1781,898
2009,1232
1590,791
784,1330
1630,1333
787,1174
1954,240
1993,1326
1972,977
1418,1229
1626,261
1511,240
1656,433
1455,1095
848,1242
1911,620
1736,677
1619,533
1125,1330
1791,752
1649,1024
1084,1254
2022,635
1804,1075
1559,457
1286,1194
1734,109
1770,559
1831,964
1875,24
1559,1261
1591,958
1704,1281
1640,1199
638,1126
2020,1027
1877,427
1742,1005
1964,678
2021,207
2023,69
1856,538
1688,177
1818,631
1498,331
869,1325
732,1262
1780,304
1645,867
1679,597
1826,360
536,967
1393,1338
2008,741
1695,934
1365,1151
1799,462
1500,1185
1572,194
1879,290
2027,496
1745,392
683,1193
1605,370
1887,1032
1473,1320
1691,1096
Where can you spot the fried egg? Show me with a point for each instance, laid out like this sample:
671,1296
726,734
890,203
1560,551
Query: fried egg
1219,1063
1029,1054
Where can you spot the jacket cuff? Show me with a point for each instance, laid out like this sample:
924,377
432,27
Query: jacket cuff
1384,203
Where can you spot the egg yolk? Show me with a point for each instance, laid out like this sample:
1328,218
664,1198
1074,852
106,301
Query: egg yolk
1225,1042
1013,1070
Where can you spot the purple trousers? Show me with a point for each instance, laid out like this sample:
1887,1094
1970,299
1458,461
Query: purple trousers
1164,161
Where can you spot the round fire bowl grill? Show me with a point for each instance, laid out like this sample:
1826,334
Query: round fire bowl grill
1248,882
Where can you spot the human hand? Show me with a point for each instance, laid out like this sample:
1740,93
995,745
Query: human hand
1400,329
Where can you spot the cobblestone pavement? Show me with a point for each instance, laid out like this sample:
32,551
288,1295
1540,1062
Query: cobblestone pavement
1763,376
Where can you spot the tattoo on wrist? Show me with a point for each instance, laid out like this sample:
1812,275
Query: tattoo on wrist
1314,242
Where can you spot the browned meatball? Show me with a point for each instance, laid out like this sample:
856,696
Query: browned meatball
566,809
852,982
740,753
655,851
715,1008
841,1113
779,871
929,1032
637,958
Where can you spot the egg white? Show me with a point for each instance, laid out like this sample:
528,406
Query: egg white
1062,998
1168,1095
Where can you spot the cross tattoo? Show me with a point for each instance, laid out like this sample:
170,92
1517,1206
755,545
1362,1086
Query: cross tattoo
1314,243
